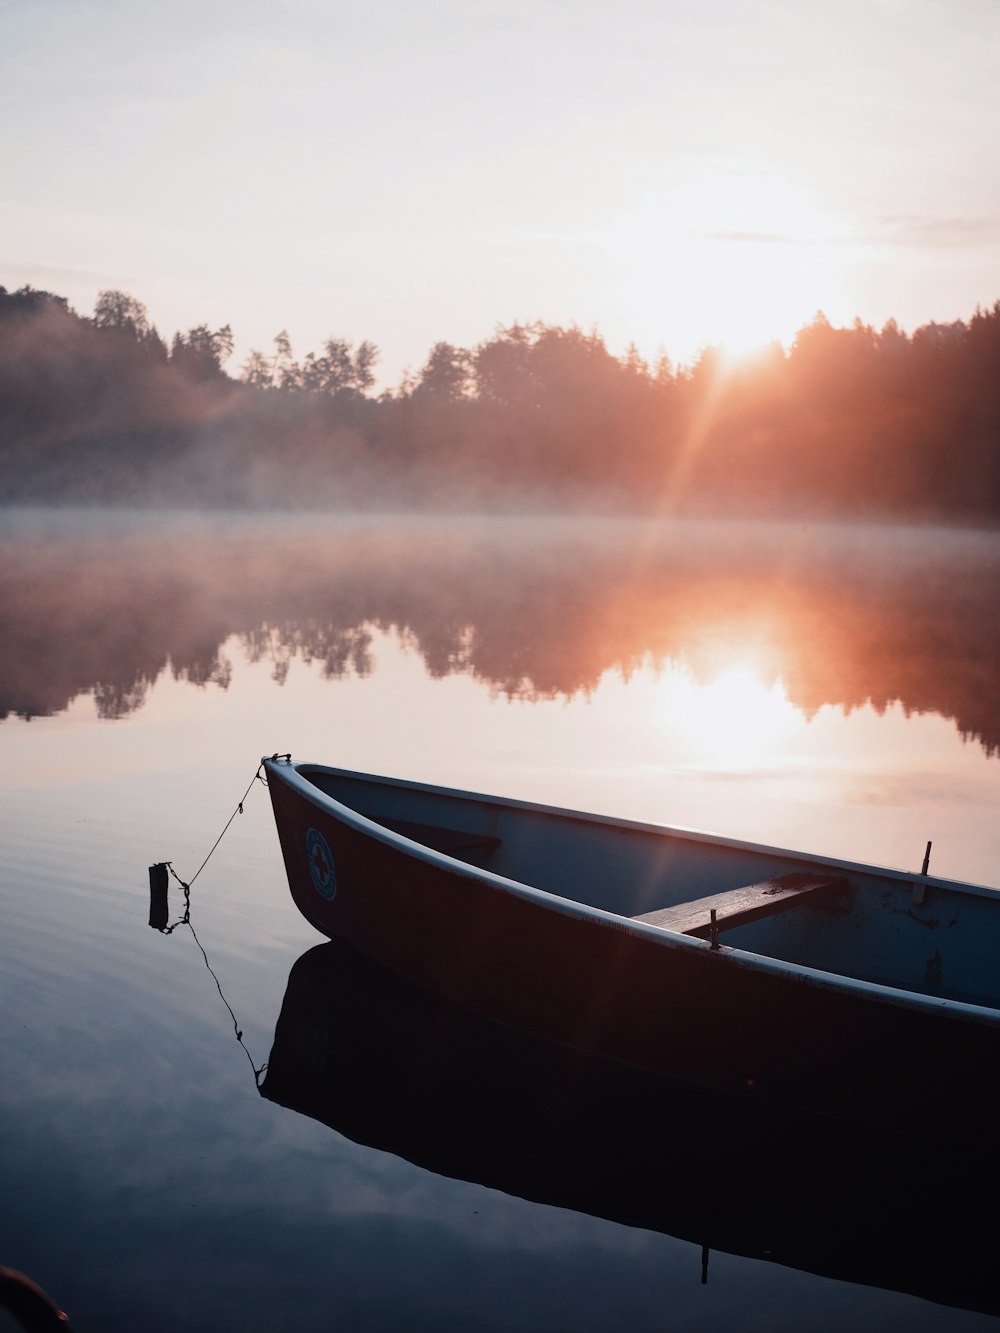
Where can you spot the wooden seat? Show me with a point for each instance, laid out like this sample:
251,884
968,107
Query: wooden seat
738,906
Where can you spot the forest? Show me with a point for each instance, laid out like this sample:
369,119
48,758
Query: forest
847,423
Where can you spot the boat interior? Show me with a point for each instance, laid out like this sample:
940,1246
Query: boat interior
887,927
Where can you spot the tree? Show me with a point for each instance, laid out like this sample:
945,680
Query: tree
447,376
365,361
284,371
258,371
202,353
340,370
503,366
636,364
28,300
119,310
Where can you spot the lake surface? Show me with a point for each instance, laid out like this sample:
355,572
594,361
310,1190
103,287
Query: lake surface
823,688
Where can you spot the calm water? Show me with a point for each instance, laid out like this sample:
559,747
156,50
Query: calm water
829,689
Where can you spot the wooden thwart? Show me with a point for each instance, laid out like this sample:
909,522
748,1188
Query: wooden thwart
748,903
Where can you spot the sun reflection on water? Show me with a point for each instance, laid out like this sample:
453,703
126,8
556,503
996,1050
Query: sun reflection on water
733,719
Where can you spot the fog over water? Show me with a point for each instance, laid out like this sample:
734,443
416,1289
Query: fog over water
843,615
830,687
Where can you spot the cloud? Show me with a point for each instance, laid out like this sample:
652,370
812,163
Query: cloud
912,230
923,230
62,279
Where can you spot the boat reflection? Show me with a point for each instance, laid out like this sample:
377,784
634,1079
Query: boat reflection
393,1068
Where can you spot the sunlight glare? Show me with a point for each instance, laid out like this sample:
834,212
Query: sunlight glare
732,719
731,257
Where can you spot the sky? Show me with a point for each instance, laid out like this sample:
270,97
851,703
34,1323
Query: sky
674,173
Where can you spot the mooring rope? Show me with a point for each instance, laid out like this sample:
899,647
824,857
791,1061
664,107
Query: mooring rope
185,918
257,777
258,1071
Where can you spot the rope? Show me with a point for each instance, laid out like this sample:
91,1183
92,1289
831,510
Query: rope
257,1072
185,918
257,777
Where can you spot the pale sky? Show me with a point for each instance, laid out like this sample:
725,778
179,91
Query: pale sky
676,173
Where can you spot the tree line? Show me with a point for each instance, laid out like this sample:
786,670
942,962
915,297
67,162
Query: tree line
847,422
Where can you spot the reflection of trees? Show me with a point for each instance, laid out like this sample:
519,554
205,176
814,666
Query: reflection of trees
341,652
532,611
116,700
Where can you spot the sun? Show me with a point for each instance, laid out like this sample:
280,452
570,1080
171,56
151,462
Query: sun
732,258
754,292
737,293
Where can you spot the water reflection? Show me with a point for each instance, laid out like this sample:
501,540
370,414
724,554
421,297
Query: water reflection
766,620
392,1068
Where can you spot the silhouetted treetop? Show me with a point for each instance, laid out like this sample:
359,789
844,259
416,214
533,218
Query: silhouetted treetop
29,300
118,310
121,315
201,353
339,369
448,374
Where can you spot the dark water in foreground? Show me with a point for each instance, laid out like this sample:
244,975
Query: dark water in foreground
146,1183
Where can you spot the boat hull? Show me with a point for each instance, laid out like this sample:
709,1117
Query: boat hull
604,984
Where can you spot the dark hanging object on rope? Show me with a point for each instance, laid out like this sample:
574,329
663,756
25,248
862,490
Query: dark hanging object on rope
158,911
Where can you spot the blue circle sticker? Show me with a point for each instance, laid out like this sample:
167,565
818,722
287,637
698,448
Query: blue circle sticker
320,864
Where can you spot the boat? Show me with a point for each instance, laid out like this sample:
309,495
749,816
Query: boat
807,982
389,1066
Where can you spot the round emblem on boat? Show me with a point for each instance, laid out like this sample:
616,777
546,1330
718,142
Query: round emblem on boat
320,864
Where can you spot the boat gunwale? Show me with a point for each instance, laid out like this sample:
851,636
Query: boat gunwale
291,773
